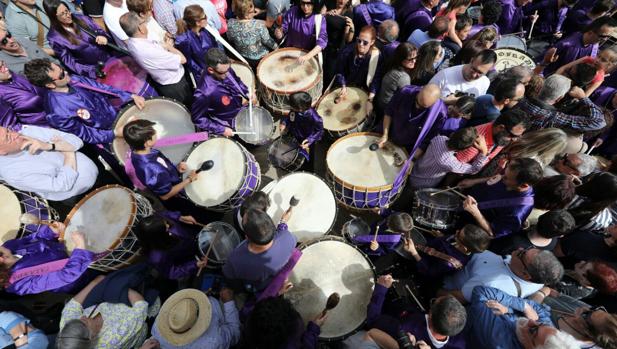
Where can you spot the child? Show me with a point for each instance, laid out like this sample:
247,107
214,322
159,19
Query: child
458,115
303,123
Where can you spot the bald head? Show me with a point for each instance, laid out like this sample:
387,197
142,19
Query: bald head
428,96
388,30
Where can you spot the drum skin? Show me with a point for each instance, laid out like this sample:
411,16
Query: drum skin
262,125
284,153
344,115
223,244
14,204
436,211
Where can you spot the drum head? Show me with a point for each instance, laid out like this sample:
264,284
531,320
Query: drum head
511,41
332,266
280,71
223,180
316,210
10,210
280,153
350,160
355,227
171,118
103,216
245,73
417,238
347,113
224,244
446,200
263,125
508,57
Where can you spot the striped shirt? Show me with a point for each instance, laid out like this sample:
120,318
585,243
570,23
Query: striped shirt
439,161
543,115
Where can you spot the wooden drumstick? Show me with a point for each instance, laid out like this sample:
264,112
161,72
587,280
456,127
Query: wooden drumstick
331,303
533,23
207,254
443,191
374,244
459,193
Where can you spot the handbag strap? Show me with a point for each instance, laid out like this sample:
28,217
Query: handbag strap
437,254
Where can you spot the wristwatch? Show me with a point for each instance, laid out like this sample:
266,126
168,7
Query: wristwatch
53,147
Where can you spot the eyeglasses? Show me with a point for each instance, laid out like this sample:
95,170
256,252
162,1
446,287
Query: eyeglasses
520,254
61,76
6,38
362,42
303,3
64,13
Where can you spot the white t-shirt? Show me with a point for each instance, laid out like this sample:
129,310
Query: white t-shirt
111,16
450,80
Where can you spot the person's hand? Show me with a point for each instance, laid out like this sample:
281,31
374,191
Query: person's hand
228,132
577,92
558,35
79,240
369,107
331,13
34,145
320,319
201,263
57,227
550,56
61,143
534,17
480,144
382,141
182,167
188,219
598,142
409,246
226,295
193,176
465,183
305,145
101,40
150,343
287,285
282,128
278,33
471,205
496,307
140,102
385,280
530,312
349,22
343,92
302,59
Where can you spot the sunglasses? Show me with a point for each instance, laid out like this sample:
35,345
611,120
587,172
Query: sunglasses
362,42
6,38
306,3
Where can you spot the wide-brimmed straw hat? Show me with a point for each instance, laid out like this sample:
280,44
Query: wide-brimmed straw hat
184,317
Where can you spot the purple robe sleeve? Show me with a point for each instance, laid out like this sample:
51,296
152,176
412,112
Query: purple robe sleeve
78,263
310,336
200,113
7,115
374,307
157,179
73,125
317,127
510,221
168,270
64,54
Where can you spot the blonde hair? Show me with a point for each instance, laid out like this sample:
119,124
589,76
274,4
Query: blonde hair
242,8
541,145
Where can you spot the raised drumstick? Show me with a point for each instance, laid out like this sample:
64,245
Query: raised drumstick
374,244
532,25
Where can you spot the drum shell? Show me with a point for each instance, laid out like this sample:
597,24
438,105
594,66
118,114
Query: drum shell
297,159
263,125
428,212
28,203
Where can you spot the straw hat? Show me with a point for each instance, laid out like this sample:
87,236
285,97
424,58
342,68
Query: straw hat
184,317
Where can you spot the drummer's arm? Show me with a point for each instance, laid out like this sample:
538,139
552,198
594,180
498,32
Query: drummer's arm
312,53
176,189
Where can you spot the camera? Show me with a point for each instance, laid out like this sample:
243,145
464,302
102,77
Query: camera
403,340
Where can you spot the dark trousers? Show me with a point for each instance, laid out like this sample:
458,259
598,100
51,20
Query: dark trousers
180,91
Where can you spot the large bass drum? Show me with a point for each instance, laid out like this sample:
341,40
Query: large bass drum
511,57
14,204
344,116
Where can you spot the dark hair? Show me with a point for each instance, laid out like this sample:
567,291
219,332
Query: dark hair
470,49
153,233
528,171
506,89
465,104
316,7
190,18
257,201
51,8
555,223
600,191
475,238
602,277
545,268
426,58
462,20
554,192
37,71
601,6
137,132
448,316
438,27
491,11
583,74
272,323
599,23
402,51
462,139
400,222
216,56
259,227
300,101
486,56
510,118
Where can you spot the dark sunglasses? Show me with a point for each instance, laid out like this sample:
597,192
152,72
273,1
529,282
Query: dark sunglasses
304,3
362,42
6,38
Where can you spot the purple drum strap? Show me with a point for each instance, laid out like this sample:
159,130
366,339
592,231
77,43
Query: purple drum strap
366,239
182,139
527,200
95,89
279,279
129,169
365,14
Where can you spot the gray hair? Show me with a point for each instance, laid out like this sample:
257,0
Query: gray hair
389,30
74,335
559,340
555,87
545,268
130,23
520,72
448,316
588,164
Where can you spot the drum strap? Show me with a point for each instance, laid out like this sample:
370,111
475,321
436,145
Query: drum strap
372,66
434,253
95,89
367,17
279,279
182,139
219,38
527,200
317,31
40,269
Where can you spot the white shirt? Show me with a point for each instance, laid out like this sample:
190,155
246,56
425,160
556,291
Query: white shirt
213,16
44,173
434,341
111,16
450,80
163,66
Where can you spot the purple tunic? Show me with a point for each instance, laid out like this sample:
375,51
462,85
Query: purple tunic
156,171
511,19
81,58
549,12
576,21
570,49
305,125
373,12
437,268
352,70
451,125
407,118
96,126
194,48
218,102
23,103
44,247
603,97
412,15
300,30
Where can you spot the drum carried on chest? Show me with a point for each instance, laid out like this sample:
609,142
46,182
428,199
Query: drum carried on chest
316,210
171,119
107,217
510,57
234,175
330,265
222,237
363,178
438,211
14,204
280,75
344,115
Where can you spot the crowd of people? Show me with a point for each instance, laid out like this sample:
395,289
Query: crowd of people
530,260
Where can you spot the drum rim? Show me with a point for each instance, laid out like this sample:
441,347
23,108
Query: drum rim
351,127
272,130
211,259
298,155
87,197
341,239
233,61
433,205
282,92
21,229
361,187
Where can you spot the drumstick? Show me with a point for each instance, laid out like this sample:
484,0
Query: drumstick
532,24
415,298
374,244
442,191
459,193
590,149
250,108
29,218
207,254
243,133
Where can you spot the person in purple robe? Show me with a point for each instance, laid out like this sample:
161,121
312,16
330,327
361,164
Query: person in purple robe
511,19
39,262
372,12
22,103
194,40
387,35
414,14
408,110
219,96
303,123
580,44
553,14
304,29
77,104
360,65
489,15
577,19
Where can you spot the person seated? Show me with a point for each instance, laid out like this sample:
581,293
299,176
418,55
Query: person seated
16,51
436,31
22,333
194,40
520,274
577,164
397,76
495,321
458,115
360,65
45,161
43,264
412,15
258,201
595,201
303,124
469,78
162,61
489,15
587,279
77,104
248,35
502,207
168,242
551,226
304,29
488,107
460,247
461,31
266,250
103,325
440,158
219,96
386,42
429,58
191,319
442,326
26,19
22,103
